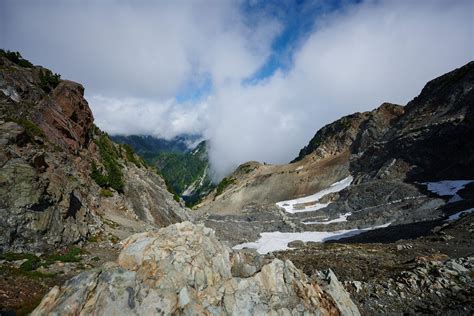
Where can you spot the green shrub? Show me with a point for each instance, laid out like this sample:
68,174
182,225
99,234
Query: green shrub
31,129
31,264
48,81
176,197
71,255
16,58
18,272
130,155
109,156
224,184
106,193
97,176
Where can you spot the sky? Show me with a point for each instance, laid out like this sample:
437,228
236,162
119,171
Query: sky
256,78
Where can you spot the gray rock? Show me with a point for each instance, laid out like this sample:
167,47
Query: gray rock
184,269
339,294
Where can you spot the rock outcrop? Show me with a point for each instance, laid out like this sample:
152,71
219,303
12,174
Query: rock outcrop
49,149
433,139
184,269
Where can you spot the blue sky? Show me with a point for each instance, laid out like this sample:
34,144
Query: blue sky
297,20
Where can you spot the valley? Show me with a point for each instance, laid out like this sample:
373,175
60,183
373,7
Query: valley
374,215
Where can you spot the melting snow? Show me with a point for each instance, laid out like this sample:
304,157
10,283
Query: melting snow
289,205
275,241
341,218
448,188
458,215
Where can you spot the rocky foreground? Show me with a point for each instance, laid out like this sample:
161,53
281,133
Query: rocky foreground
184,269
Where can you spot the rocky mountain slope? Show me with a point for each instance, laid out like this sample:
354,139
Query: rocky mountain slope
393,174
324,161
49,152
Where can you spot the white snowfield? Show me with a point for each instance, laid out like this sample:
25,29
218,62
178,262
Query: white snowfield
297,205
341,218
276,241
458,215
448,188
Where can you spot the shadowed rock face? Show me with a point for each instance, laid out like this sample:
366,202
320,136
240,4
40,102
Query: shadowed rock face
435,136
184,269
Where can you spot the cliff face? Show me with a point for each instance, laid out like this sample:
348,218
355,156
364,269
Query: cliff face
434,138
49,148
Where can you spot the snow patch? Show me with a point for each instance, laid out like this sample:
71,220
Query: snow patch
448,188
297,205
458,215
299,168
276,241
341,218
196,184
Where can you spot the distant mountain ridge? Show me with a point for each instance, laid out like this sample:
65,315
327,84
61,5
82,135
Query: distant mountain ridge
148,146
183,165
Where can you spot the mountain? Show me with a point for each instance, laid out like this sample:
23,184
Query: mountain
149,146
187,173
394,186
322,162
382,199
185,168
69,195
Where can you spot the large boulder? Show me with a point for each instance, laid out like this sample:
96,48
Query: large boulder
184,269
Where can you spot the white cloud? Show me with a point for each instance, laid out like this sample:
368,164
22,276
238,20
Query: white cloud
353,61
134,58
165,119
141,49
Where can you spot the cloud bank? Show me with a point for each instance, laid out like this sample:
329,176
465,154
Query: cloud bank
138,60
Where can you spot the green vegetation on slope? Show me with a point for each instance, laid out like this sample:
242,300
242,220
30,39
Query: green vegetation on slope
48,80
31,129
224,184
113,176
130,155
180,170
16,58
